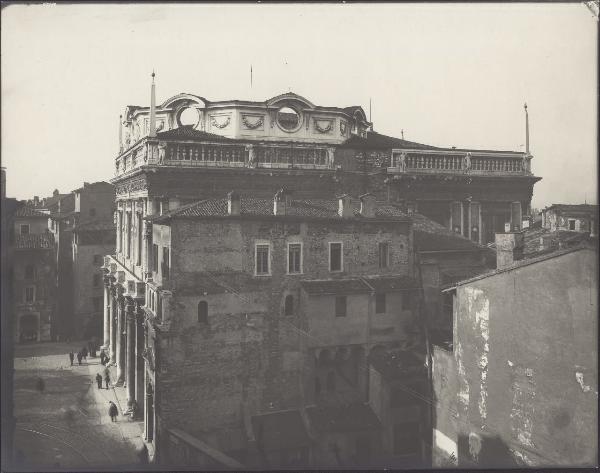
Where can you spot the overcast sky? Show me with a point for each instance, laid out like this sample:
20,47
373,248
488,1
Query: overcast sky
448,75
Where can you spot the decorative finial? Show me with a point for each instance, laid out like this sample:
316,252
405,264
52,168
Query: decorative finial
525,105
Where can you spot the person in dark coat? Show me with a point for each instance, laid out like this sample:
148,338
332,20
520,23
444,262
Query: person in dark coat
107,378
113,412
79,357
99,380
84,353
71,357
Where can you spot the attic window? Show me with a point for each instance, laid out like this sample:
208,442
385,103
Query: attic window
189,116
288,119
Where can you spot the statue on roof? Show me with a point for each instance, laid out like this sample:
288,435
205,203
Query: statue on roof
467,162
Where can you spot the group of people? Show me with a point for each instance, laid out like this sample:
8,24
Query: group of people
81,355
106,379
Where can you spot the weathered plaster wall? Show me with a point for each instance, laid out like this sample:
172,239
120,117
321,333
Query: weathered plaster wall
526,356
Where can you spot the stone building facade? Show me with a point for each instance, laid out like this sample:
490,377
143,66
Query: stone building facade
575,218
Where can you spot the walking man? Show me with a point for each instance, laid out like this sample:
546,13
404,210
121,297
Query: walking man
106,378
71,356
112,411
84,353
99,380
79,357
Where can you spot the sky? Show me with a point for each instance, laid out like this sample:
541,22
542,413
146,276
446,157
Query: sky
446,74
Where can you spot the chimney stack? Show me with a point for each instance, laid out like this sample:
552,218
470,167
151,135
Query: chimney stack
367,205
509,248
281,202
233,203
345,209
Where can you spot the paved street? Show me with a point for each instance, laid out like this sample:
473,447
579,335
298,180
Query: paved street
67,426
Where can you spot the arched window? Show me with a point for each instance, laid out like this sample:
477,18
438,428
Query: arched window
331,381
203,312
289,305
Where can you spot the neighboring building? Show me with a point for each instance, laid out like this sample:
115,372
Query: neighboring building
257,308
90,242
34,268
574,218
519,385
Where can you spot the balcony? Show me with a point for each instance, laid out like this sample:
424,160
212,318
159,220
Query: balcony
459,162
223,155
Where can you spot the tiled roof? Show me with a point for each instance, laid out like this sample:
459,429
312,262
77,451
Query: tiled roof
29,211
452,275
311,208
376,140
34,241
391,283
280,430
335,286
573,208
189,133
350,418
431,236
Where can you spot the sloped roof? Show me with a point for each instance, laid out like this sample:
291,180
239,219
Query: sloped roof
317,287
376,140
189,133
29,211
574,208
310,208
391,283
280,430
34,241
397,364
431,236
349,418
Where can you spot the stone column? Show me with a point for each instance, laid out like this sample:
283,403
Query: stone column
113,325
130,363
147,262
120,340
107,297
140,366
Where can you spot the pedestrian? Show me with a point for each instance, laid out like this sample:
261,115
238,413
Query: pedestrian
143,455
84,353
113,411
99,380
79,357
107,378
40,385
71,356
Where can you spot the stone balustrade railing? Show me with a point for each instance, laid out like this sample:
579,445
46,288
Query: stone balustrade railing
151,152
484,163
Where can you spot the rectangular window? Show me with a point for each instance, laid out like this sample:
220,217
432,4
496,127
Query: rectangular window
165,263
384,257
29,294
340,306
155,258
406,300
380,303
294,258
98,259
262,259
335,257
571,224
24,229
96,280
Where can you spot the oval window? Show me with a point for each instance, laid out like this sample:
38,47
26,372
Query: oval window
288,118
189,117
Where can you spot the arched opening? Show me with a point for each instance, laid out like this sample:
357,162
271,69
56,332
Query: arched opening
289,305
203,312
288,118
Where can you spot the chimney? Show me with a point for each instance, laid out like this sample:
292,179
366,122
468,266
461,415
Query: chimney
281,202
509,248
36,200
367,205
345,209
233,203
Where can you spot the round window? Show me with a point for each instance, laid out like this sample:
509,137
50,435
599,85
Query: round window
288,118
189,117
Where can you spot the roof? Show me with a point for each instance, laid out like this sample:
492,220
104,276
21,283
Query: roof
391,283
34,241
29,211
189,133
280,430
318,287
376,140
523,262
87,185
431,236
349,418
392,365
452,275
573,208
308,208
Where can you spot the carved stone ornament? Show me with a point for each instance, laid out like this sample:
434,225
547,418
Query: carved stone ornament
215,123
323,129
162,147
132,186
252,125
343,128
